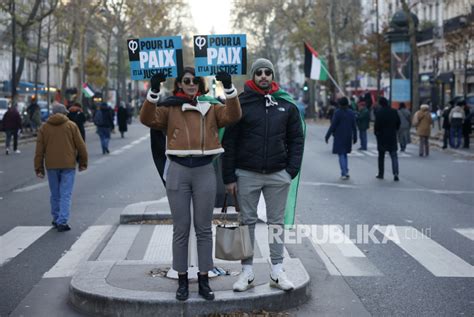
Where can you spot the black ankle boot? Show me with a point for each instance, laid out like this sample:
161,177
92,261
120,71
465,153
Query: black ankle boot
204,289
183,289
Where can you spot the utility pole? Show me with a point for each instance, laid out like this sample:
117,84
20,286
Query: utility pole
378,47
13,81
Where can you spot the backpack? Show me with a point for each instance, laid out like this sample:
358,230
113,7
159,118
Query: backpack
99,118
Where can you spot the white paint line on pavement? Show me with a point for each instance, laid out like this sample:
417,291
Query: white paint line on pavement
31,187
372,153
355,153
118,246
434,257
162,199
160,245
467,232
329,184
80,251
462,161
18,239
427,190
345,257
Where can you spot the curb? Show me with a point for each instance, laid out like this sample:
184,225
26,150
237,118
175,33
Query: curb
91,293
158,210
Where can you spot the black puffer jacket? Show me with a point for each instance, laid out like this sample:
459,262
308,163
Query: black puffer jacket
265,140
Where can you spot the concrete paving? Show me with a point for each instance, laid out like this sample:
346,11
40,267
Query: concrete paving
128,276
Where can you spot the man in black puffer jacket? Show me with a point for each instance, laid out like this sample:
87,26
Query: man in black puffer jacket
263,153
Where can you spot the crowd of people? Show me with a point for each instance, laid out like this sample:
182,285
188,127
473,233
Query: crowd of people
392,127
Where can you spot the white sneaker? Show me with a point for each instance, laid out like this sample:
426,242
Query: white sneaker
281,281
244,282
17,151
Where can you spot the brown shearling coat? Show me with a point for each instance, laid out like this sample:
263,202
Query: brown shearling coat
192,130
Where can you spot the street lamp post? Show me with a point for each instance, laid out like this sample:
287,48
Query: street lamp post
13,81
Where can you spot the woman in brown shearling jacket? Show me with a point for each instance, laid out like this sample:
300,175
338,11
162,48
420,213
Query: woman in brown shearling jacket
191,122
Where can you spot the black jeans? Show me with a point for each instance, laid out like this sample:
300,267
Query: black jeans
393,157
445,138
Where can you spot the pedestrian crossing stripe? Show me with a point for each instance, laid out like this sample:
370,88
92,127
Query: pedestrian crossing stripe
375,153
18,239
342,258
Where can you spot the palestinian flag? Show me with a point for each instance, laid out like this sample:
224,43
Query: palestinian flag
87,91
314,67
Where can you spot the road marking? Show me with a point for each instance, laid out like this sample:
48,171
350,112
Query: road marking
160,245
427,190
329,184
344,256
118,246
18,239
31,187
355,153
80,251
372,153
434,257
467,232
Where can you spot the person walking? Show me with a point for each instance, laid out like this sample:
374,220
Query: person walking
404,131
343,128
12,126
422,121
77,116
363,124
34,115
387,123
191,121
122,118
58,144
104,120
467,125
263,153
446,125
456,119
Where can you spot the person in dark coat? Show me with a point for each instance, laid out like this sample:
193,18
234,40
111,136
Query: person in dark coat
467,126
122,118
387,123
11,125
446,124
343,128
104,120
77,116
363,124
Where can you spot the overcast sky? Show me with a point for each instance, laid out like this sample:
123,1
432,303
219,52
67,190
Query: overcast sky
211,13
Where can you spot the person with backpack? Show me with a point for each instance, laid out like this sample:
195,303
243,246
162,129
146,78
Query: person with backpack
104,120
456,119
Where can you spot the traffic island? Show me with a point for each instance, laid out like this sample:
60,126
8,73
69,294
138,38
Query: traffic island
127,288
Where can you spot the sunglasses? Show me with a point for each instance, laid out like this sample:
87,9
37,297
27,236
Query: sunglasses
187,81
267,72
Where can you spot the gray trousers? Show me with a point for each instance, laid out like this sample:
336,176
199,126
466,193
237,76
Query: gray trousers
182,185
275,189
424,145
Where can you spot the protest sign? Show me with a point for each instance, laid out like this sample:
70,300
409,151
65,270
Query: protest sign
215,53
149,56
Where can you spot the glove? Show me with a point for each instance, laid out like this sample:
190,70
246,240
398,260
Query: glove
225,78
156,81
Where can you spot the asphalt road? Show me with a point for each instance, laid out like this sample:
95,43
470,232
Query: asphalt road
426,275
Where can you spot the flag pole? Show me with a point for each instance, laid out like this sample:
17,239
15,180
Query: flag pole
332,79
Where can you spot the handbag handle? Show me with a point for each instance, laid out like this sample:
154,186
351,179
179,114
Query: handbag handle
224,207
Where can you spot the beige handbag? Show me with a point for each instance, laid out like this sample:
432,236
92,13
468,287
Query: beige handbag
232,240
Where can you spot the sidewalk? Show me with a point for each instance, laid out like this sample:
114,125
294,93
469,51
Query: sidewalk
127,276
